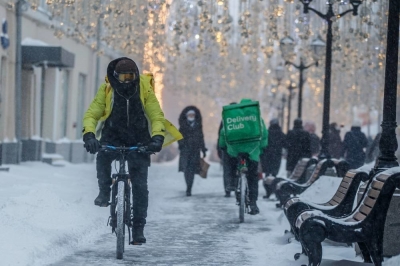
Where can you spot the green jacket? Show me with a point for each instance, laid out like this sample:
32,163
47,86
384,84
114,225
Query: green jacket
100,109
254,149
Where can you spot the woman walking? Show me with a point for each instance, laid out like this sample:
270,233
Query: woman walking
191,145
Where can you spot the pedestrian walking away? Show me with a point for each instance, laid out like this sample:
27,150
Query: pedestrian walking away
335,141
229,165
315,146
120,115
272,155
354,144
191,127
298,145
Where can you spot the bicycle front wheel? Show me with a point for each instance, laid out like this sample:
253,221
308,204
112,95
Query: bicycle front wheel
242,203
120,230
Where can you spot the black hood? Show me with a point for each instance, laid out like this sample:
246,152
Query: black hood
356,129
274,127
182,116
123,89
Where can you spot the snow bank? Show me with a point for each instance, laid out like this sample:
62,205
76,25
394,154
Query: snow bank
47,213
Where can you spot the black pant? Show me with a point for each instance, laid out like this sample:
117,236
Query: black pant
252,179
252,174
229,166
138,169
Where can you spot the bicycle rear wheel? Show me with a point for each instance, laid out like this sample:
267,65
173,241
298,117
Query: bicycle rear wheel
242,203
120,230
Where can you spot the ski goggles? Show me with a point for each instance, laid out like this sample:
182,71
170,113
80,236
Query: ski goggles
125,77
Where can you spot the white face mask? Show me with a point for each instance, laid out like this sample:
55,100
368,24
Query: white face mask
191,118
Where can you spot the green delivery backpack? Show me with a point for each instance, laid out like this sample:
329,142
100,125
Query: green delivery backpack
242,122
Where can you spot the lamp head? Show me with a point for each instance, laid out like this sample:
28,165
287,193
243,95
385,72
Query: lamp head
355,4
318,47
287,45
305,3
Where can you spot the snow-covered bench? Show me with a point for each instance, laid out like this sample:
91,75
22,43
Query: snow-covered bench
300,175
365,225
341,204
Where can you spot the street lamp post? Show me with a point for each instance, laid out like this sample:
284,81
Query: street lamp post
329,17
388,142
279,74
301,67
282,113
291,87
287,49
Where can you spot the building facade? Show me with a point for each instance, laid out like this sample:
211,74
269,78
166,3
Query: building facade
58,84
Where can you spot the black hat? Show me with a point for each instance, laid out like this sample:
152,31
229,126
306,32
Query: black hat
126,66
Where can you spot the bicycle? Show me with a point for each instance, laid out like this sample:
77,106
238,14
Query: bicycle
242,189
121,197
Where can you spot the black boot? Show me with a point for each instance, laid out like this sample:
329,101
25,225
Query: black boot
253,208
227,194
137,232
103,198
188,192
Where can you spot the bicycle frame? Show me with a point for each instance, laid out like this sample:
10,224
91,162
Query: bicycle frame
121,176
242,187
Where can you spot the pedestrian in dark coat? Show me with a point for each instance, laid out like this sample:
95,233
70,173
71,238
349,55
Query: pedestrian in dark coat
272,156
335,142
373,150
191,145
229,165
298,145
353,147
314,139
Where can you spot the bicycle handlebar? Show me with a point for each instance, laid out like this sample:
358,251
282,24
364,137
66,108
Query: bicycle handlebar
138,149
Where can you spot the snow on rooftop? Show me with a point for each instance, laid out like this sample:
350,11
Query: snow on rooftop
33,42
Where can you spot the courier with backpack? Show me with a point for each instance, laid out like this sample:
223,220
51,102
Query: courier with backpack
244,136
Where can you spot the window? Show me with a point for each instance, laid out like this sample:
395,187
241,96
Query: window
81,104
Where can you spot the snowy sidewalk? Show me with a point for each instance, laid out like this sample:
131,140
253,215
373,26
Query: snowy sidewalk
47,217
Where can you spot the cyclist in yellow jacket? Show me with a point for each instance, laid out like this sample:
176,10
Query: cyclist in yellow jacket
127,113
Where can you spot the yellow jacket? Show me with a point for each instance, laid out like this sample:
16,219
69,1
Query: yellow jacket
100,109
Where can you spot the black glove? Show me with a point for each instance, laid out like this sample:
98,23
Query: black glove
204,152
156,143
92,145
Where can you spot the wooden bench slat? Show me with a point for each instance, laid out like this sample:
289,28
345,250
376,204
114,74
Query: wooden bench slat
365,209
369,202
377,184
345,185
373,193
339,194
332,203
348,179
343,190
359,216
350,174
337,199
382,177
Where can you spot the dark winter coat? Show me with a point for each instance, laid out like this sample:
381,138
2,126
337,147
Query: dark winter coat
219,150
335,143
272,156
353,146
192,143
373,150
298,146
314,144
